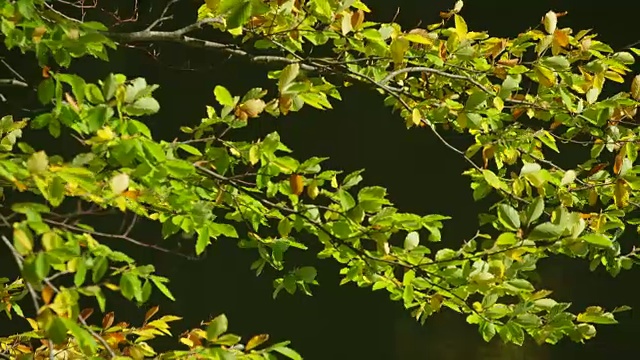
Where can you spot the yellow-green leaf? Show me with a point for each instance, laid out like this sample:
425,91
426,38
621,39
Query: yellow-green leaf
461,26
493,180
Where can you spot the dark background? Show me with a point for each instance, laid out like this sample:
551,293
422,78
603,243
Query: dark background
344,322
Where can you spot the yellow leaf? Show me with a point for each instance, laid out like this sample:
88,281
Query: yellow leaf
493,180
461,27
47,294
254,155
38,33
22,241
614,76
360,5
546,76
416,117
621,193
598,82
212,4
112,287
186,341
33,323
399,47
418,38
345,25
121,203
38,162
635,88
256,341
498,103
462,120
105,133
312,190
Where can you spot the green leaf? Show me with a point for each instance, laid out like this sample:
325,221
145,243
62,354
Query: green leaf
288,74
239,15
534,210
42,266
223,96
476,100
548,140
515,333
46,91
56,330
162,287
508,217
556,62
288,352
228,339
520,284
507,238
284,227
307,274
217,327
130,285
86,341
100,267
93,94
411,241
493,180
224,230
487,330
143,106
204,239
546,231
595,315
81,273
598,240
179,168
346,200
190,149
109,86
41,121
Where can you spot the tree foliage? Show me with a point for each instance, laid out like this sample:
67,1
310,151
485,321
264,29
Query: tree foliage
523,99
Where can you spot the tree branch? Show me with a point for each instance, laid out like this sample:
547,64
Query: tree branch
13,82
117,236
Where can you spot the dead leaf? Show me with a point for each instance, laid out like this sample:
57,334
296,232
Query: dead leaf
150,313
107,320
296,183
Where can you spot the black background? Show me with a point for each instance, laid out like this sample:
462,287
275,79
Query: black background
344,322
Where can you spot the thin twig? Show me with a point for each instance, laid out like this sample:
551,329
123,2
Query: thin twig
13,82
116,236
162,16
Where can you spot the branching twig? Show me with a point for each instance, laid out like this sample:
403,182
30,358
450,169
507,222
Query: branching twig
163,16
116,236
362,254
